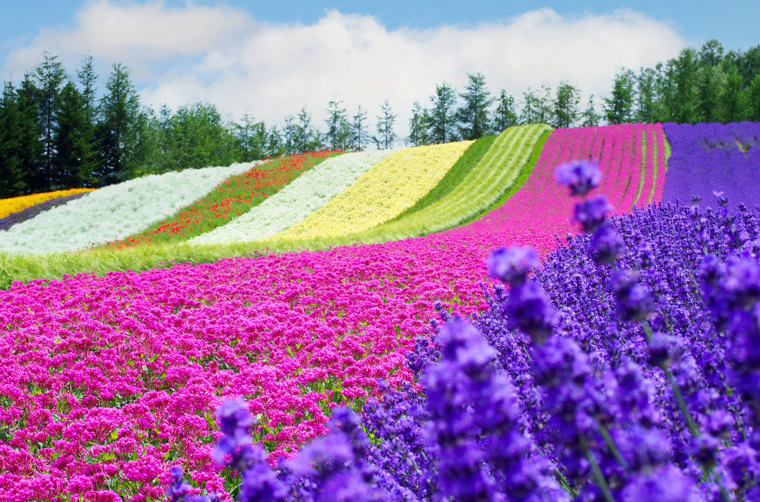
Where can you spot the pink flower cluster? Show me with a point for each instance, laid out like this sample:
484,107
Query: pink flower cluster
108,381
544,208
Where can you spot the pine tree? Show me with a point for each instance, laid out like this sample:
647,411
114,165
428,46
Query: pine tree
754,99
729,101
473,114
74,158
505,115
566,106
385,121
118,132
419,125
589,117
443,117
359,135
645,98
11,163
531,113
619,107
29,134
275,143
685,109
49,77
338,129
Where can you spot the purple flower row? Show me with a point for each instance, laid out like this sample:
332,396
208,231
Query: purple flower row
709,158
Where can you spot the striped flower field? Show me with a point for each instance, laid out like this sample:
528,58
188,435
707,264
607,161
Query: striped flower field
116,359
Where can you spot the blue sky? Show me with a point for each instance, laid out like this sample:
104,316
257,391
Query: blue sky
272,58
736,23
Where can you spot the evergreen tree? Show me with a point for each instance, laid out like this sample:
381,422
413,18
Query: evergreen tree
385,121
619,107
87,79
74,157
753,113
531,113
305,138
711,53
730,97
545,106
708,83
685,109
359,135
419,125
275,143
589,117
443,117
49,77
29,134
665,91
566,105
250,139
645,96
505,115
11,162
118,132
473,114
338,129
200,137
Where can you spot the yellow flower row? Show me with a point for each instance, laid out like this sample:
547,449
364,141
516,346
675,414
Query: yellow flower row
382,193
16,204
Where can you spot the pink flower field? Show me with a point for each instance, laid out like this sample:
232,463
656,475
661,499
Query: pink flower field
109,381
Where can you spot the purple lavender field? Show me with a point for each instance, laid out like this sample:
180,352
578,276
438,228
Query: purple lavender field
713,157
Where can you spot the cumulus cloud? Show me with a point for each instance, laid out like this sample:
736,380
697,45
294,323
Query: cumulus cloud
227,57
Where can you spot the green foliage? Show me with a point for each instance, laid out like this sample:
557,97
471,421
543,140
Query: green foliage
386,135
74,158
118,132
338,128
504,115
11,162
419,125
618,108
589,117
473,114
442,115
49,78
566,105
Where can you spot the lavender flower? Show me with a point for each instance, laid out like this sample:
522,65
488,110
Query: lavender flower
592,213
606,245
580,176
511,265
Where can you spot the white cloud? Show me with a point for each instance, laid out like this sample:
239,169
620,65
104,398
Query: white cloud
225,56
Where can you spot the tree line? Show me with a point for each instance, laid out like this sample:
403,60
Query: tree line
56,133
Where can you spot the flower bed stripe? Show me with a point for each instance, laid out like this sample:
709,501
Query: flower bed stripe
483,186
113,212
295,201
392,185
16,204
713,157
229,200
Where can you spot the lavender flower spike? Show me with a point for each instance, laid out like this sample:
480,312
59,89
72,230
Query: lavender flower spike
511,265
580,175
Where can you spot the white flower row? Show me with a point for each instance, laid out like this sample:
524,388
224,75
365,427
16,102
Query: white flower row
114,212
296,201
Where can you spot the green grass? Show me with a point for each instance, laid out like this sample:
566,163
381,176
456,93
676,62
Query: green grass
455,176
509,160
